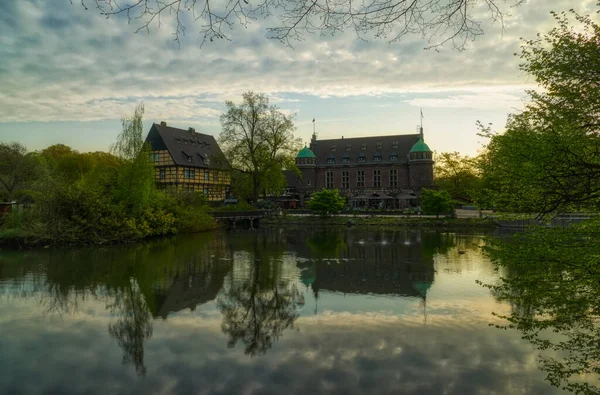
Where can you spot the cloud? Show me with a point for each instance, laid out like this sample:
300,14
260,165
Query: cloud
60,62
484,100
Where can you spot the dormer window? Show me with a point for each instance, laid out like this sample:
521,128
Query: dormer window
363,147
395,144
394,156
361,158
379,145
377,158
348,147
346,159
187,156
331,160
333,148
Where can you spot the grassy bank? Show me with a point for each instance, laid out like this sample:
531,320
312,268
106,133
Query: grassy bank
406,222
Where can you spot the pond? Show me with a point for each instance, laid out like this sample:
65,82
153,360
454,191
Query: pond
272,311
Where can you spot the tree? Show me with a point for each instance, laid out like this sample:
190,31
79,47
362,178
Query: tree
436,202
258,141
450,21
550,279
457,174
326,202
136,175
17,168
548,159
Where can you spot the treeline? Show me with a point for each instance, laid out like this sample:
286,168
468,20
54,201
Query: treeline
98,197
547,159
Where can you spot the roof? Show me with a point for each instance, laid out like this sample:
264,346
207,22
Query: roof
187,147
385,146
305,153
420,146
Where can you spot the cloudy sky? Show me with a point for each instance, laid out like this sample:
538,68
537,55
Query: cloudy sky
69,74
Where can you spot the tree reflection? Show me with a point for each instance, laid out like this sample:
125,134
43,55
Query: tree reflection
551,281
258,302
133,327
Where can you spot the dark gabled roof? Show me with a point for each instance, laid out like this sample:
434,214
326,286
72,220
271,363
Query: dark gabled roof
187,148
322,148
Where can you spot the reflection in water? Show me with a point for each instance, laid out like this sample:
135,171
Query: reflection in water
172,304
133,327
551,282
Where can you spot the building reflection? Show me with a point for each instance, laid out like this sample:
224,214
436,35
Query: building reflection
372,262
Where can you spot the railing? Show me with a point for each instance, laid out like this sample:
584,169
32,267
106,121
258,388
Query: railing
248,214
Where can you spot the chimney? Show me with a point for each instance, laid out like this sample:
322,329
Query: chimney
192,130
163,123
342,137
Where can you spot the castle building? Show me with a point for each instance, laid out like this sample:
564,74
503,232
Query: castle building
376,172
189,161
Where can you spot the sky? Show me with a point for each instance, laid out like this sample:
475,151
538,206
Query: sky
68,75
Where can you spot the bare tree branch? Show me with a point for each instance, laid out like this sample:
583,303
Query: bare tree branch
440,22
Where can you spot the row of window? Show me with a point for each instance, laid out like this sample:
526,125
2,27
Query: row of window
363,146
360,179
189,174
362,158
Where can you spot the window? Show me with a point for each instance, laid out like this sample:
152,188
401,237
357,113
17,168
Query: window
329,180
361,158
189,173
308,183
346,159
205,192
206,175
363,147
216,176
345,179
379,145
395,144
331,159
162,174
377,178
377,157
360,178
154,157
333,148
348,147
393,156
393,177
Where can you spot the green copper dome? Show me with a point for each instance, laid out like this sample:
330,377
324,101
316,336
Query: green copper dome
305,153
420,146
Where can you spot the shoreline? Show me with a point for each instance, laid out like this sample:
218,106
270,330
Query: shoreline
397,222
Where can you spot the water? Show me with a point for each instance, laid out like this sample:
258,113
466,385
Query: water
261,312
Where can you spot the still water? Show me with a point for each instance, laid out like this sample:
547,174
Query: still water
261,312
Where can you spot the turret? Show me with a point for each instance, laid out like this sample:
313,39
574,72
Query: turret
306,161
420,165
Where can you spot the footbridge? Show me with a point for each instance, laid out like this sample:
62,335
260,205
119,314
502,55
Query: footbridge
244,219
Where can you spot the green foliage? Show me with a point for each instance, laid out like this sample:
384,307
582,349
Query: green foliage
258,142
136,175
436,202
102,198
551,280
326,202
547,160
18,169
457,174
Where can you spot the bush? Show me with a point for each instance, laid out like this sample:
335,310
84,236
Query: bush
326,202
436,202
